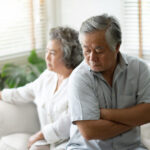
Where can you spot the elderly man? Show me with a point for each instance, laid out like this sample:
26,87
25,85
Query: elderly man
109,92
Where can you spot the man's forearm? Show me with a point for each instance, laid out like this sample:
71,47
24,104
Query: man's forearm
100,129
133,116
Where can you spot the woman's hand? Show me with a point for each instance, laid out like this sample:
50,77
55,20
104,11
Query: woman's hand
36,137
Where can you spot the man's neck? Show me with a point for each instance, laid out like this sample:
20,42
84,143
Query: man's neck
108,75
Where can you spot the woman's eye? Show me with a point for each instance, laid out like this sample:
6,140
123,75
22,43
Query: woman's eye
53,53
50,52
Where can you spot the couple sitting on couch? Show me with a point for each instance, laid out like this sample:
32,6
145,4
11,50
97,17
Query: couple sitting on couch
107,92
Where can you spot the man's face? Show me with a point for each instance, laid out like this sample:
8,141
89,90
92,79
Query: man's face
97,52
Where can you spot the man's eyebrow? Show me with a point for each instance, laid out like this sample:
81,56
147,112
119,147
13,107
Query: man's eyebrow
85,46
99,47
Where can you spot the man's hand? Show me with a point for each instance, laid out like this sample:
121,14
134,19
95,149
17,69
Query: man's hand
36,137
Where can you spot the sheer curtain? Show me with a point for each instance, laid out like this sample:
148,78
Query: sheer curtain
136,28
22,26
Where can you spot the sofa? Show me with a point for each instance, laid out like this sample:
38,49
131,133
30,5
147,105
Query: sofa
145,135
18,123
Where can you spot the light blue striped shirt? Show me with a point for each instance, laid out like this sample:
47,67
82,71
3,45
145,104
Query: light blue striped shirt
88,92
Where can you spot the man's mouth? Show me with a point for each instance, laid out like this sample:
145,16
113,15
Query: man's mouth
94,64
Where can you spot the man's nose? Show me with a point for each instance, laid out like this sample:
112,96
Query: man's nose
93,56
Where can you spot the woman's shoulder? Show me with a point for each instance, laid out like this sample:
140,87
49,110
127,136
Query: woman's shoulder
46,75
47,72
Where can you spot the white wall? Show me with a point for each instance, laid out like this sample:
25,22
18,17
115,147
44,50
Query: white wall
74,12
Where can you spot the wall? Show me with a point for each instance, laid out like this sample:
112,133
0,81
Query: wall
73,12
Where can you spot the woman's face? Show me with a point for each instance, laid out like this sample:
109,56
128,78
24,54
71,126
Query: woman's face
54,56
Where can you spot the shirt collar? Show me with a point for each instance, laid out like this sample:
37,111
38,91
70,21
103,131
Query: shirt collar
122,60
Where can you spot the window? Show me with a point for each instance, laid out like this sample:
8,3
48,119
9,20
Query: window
22,26
137,28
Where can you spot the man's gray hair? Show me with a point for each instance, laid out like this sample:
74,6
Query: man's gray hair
72,51
107,23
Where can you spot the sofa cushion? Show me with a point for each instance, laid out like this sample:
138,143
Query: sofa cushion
145,135
17,119
14,142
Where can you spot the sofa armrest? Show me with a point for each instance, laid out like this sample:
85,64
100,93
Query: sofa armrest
18,119
145,135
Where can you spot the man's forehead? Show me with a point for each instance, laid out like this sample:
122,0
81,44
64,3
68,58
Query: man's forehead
92,37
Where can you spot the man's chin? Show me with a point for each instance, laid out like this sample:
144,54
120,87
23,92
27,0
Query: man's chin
96,69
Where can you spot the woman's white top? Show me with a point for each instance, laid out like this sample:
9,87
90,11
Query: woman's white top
52,106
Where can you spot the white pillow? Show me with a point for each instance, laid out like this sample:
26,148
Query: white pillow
17,119
15,142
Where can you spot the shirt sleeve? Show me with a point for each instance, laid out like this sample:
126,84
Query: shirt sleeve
23,94
83,103
59,130
18,95
143,94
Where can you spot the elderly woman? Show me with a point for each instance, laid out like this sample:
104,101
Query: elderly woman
49,91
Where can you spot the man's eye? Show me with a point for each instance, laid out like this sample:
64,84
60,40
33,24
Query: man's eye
87,51
99,50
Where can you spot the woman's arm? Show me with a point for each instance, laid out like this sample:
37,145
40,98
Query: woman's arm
59,130
23,94
36,137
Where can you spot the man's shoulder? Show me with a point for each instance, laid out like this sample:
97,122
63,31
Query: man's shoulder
135,62
80,73
130,59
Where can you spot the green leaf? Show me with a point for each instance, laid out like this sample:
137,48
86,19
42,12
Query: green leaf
15,76
36,61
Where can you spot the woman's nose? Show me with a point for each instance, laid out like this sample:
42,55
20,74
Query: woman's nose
48,56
